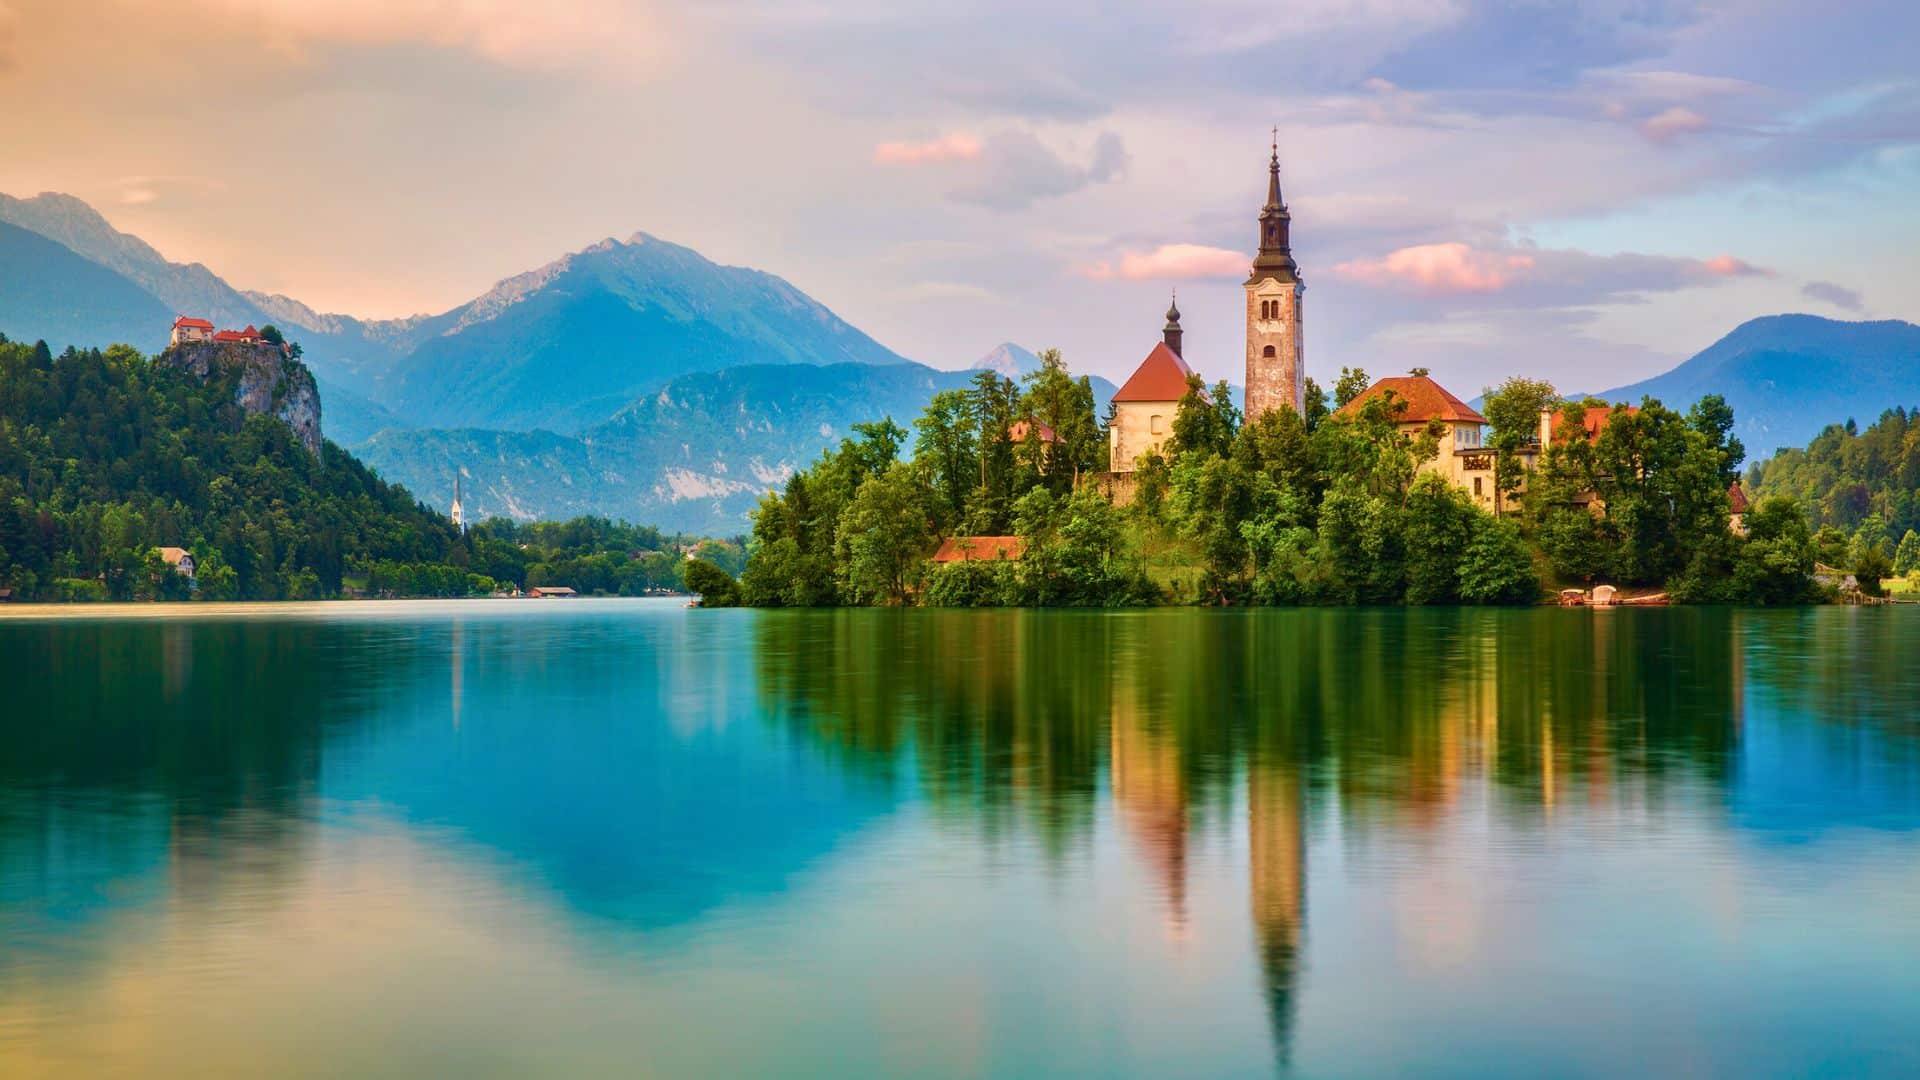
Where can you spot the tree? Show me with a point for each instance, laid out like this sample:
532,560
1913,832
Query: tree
714,586
948,447
1514,408
1872,567
1439,523
1496,569
1776,566
271,335
884,534
1906,558
1351,384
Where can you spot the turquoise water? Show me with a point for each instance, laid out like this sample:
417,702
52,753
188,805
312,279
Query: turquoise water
625,838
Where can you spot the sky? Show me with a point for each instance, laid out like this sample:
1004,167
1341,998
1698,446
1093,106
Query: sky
1582,190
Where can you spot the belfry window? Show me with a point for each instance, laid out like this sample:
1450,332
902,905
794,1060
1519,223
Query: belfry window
1267,352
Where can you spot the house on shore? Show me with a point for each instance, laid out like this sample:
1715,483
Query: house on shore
181,560
551,592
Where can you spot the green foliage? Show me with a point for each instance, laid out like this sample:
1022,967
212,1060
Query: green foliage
1496,568
1513,409
105,456
1906,559
714,586
1846,475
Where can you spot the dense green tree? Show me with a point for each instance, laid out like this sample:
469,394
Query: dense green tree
1513,409
714,586
1845,474
885,534
1906,558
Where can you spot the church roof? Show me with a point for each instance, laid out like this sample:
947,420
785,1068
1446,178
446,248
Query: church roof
1426,400
1162,376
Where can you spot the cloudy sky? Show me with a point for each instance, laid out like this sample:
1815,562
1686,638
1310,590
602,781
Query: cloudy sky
1585,189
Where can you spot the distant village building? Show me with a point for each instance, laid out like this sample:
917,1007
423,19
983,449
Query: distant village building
187,330
181,560
545,592
1737,502
980,549
458,513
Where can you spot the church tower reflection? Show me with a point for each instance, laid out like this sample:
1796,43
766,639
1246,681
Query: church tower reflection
1150,793
1277,870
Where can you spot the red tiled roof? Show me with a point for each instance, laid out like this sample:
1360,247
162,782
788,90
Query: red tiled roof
1738,497
979,549
190,323
1595,422
1018,432
1426,400
229,335
1162,376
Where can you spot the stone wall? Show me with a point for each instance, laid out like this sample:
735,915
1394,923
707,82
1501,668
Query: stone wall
1133,431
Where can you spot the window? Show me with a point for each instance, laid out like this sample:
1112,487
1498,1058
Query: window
1157,424
1268,351
1476,486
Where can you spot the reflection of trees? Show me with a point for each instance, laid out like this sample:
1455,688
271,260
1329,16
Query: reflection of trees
199,739
1389,713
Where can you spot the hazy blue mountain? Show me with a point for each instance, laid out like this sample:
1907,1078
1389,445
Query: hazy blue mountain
1789,376
571,343
1008,359
48,292
695,455
341,350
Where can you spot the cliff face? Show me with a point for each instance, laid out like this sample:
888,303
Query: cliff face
269,384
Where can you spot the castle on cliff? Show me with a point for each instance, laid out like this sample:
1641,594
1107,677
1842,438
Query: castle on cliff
1146,403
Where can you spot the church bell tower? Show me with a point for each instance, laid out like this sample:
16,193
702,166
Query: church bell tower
1276,368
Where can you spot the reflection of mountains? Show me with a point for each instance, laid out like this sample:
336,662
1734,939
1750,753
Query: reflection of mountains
1388,716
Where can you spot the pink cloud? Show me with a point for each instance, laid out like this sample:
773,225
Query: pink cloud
954,147
1728,266
1439,268
1175,262
1678,120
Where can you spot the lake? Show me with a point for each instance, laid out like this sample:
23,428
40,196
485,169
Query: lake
625,838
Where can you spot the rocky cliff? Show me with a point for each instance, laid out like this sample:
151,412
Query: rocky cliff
267,383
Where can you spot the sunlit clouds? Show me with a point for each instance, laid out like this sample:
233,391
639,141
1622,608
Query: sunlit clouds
955,147
1171,262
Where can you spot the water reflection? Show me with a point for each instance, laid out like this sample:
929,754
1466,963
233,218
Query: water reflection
732,816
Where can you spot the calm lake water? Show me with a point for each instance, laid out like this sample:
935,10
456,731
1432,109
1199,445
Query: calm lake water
624,838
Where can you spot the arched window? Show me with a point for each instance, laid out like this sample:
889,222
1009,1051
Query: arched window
1268,351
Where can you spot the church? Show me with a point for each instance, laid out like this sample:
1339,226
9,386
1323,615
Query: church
1146,403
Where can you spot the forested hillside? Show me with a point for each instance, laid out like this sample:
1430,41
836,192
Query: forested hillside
106,457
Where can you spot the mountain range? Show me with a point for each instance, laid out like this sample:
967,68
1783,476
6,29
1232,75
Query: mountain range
632,378
639,379
1789,376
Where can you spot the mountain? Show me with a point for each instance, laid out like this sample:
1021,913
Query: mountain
569,344
695,455
1008,359
340,349
49,292
1789,376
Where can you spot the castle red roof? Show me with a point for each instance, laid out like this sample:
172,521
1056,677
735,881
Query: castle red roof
1162,376
1595,422
1426,400
184,322
979,549
229,335
1018,432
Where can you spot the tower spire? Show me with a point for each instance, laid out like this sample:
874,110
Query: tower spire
1172,333
1275,259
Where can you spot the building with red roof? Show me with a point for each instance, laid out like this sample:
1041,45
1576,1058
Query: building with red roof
188,329
1417,401
1145,405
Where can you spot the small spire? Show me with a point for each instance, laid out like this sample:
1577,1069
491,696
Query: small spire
1173,310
